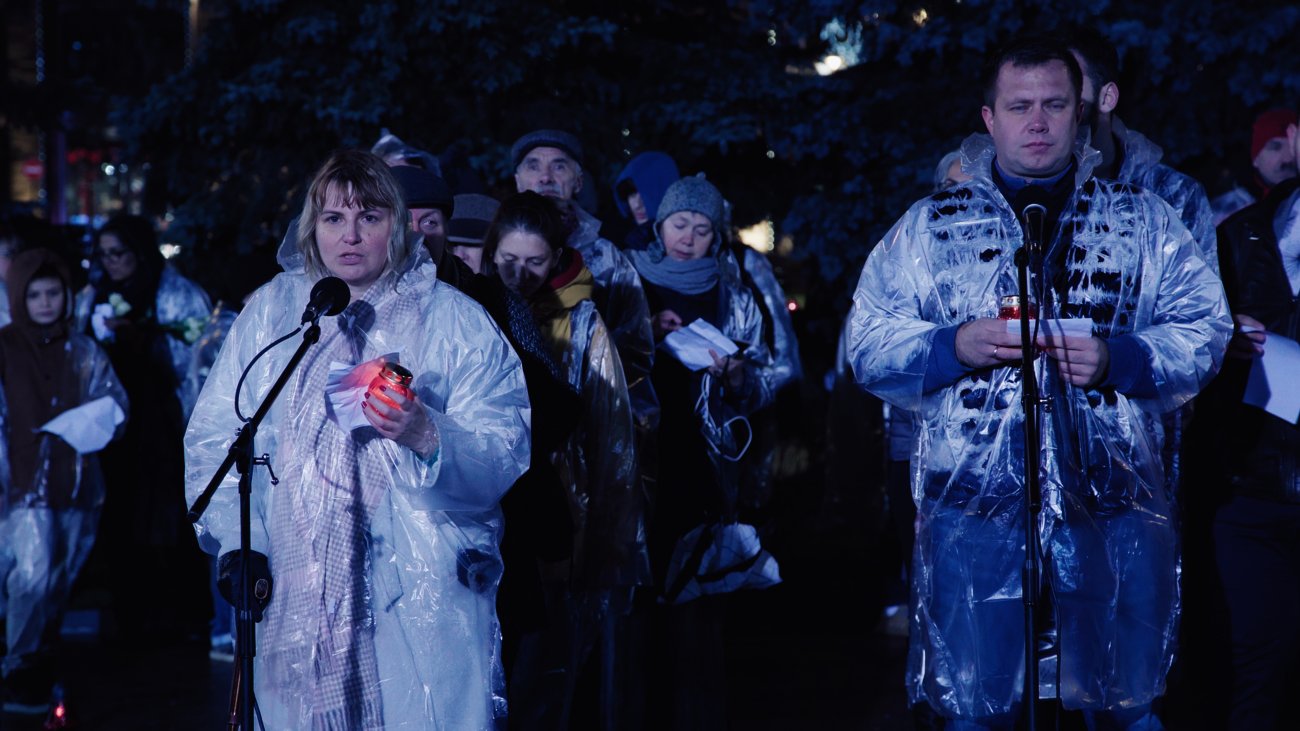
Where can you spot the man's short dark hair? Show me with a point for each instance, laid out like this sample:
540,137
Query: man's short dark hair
1097,51
1028,52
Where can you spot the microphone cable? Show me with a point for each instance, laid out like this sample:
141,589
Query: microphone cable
249,367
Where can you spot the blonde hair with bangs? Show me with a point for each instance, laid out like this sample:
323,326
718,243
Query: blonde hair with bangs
363,179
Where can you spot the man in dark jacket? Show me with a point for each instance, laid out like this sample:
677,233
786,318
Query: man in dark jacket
1253,465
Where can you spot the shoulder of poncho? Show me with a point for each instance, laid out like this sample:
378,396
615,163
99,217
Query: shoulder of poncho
584,309
442,298
1173,186
973,199
606,248
172,281
742,308
1139,152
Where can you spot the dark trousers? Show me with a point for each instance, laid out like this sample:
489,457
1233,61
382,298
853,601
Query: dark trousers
1257,551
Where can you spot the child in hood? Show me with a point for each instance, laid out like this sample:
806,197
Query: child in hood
51,488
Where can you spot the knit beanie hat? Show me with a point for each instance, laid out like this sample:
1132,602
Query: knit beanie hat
1269,125
545,138
423,189
470,221
692,193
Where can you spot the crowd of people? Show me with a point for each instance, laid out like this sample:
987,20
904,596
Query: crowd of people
515,466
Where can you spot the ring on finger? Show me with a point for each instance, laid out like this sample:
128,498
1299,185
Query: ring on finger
995,352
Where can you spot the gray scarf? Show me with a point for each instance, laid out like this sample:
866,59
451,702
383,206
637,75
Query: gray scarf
696,276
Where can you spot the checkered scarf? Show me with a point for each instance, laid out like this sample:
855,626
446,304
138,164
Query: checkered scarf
321,548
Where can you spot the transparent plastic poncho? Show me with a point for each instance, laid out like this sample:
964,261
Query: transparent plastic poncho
786,365
598,463
621,301
45,539
385,564
180,305
1183,193
1107,528
1187,197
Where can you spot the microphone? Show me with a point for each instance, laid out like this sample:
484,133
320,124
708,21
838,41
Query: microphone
329,297
1032,204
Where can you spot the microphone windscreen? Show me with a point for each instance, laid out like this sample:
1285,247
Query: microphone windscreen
333,295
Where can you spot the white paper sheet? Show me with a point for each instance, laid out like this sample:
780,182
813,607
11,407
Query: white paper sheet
89,427
691,345
346,386
1070,327
1273,384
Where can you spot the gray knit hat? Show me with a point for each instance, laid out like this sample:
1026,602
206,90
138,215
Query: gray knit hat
692,193
470,221
545,138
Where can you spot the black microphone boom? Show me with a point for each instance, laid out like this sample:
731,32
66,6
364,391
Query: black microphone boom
1032,204
329,297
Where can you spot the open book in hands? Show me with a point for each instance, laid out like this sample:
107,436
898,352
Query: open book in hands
691,344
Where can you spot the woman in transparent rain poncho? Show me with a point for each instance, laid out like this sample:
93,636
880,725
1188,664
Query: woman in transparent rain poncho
145,315
526,246
381,535
687,277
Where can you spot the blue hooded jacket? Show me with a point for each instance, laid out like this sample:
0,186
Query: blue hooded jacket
651,173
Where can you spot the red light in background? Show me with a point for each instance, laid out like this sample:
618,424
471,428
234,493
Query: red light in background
791,305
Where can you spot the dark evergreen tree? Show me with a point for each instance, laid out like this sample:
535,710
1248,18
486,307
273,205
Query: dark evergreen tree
725,87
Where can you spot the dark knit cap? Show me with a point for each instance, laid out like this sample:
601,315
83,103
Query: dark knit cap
546,138
1269,125
692,193
423,189
470,221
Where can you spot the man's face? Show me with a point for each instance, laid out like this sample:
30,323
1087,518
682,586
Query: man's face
471,255
1087,95
637,207
1034,119
1276,162
429,223
549,171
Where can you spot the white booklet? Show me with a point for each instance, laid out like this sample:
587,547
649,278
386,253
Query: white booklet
1272,384
1070,327
691,344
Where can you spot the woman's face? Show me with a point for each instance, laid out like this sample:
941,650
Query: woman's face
524,261
353,241
687,235
119,261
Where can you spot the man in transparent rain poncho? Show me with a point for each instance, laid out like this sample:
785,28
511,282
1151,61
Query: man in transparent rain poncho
924,336
382,533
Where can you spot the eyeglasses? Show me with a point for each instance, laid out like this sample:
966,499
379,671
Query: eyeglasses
114,254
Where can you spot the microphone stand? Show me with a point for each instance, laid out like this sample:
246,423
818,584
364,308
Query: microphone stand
240,455
1032,404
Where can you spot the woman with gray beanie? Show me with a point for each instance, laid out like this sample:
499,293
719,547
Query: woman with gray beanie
686,280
